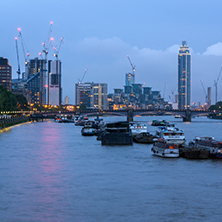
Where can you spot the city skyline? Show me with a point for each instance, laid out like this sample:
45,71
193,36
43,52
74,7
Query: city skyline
100,35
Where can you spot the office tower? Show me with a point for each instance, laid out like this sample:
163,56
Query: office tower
5,73
99,96
54,93
130,79
36,82
184,74
209,96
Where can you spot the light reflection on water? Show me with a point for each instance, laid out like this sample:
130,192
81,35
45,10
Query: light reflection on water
49,172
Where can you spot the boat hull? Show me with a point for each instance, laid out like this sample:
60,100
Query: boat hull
117,138
164,152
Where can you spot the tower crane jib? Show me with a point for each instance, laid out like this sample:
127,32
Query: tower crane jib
133,66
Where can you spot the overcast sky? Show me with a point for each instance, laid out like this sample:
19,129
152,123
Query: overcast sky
99,34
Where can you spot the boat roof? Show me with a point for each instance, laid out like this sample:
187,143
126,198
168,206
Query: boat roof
169,129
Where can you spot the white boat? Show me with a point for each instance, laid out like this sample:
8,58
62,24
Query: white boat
89,129
137,127
163,149
171,134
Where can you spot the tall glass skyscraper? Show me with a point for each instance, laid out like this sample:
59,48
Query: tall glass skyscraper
184,74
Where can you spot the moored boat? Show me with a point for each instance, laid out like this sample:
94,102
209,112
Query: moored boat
117,133
159,123
210,144
144,138
89,129
163,149
137,127
171,134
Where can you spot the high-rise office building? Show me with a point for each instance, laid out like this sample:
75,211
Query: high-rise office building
54,93
184,77
5,73
36,82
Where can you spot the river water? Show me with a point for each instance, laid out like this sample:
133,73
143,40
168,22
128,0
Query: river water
49,172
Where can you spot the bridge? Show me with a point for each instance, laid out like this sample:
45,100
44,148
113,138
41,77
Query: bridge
129,113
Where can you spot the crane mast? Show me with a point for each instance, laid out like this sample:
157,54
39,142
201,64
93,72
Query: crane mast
204,91
80,81
25,51
16,46
133,66
48,42
215,84
56,54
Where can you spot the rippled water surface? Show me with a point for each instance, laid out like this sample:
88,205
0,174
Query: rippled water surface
49,172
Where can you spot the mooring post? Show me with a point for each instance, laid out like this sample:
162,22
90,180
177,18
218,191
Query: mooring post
187,117
130,114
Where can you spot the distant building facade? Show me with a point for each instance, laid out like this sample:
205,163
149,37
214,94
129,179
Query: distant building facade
184,77
36,82
5,73
130,79
99,96
91,95
209,96
54,93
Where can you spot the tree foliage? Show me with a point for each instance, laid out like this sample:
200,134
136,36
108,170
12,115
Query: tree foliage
217,106
10,101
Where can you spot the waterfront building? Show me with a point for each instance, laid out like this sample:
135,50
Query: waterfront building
91,95
36,82
99,96
54,93
5,73
83,93
184,77
118,96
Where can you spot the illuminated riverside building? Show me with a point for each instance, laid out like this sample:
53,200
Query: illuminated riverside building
5,73
36,82
91,95
184,74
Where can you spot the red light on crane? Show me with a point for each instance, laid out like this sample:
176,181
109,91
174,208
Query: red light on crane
19,29
16,38
52,39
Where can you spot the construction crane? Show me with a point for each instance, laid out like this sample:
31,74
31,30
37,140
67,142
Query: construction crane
133,66
16,46
48,42
204,92
25,51
215,84
83,76
172,93
40,54
56,54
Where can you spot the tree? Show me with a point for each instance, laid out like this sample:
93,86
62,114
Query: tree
8,100
22,103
